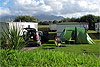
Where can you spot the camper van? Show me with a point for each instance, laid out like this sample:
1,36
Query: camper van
53,27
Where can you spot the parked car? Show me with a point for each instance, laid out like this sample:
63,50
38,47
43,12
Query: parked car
32,36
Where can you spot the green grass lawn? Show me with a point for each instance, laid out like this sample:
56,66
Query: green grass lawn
73,48
43,26
69,55
91,31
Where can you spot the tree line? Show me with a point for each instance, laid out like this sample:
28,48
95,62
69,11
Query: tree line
91,19
26,19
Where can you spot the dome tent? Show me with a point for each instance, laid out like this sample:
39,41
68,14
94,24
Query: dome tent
78,34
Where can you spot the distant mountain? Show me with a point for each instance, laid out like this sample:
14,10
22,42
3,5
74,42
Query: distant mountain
7,18
40,17
48,17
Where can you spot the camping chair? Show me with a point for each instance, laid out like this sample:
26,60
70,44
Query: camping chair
57,42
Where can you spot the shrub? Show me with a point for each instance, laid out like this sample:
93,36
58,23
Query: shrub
11,38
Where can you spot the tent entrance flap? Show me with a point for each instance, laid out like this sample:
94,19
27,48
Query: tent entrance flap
81,35
90,40
68,34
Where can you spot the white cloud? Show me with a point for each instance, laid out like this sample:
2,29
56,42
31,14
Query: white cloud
4,12
71,8
54,4
80,14
5,3
89,6
83,4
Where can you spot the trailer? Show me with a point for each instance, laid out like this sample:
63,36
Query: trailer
19,25
97,27
53,27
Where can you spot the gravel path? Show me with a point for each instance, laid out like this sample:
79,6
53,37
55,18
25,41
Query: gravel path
29,48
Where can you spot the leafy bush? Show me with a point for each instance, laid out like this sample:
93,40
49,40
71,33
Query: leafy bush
11,38
47,58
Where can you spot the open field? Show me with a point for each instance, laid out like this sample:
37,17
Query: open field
43,27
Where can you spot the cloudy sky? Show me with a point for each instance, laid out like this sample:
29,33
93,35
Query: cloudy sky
65,8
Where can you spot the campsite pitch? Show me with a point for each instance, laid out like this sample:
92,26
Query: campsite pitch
73,48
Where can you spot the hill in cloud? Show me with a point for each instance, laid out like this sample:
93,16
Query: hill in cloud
41,17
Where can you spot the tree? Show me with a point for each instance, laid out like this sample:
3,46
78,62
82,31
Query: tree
65,20
91,19
26,19
50,22
98,18
55,22
72,19
77,20
45,23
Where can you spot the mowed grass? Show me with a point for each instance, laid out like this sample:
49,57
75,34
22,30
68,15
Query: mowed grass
91,31
50,56
73,48
43,26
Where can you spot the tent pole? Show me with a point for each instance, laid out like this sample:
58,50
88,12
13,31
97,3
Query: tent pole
75,35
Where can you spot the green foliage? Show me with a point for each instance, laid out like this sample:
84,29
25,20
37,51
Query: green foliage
98,18
50,56
45,22
70,19
26,19
88,18
47,58
11,38
55,22
91,19
48,22
73,19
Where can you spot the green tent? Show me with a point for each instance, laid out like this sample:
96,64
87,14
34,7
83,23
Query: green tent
78,34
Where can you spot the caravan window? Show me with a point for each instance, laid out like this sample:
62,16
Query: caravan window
28,26
96,26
